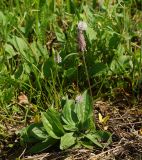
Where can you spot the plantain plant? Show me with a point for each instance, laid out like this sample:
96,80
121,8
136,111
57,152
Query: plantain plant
72,127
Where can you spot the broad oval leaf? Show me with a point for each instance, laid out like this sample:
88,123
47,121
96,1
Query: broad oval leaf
39,147
9,51
39,133
100,138
52,124
70,127
67,141
33,133
84,109
94,139
67,112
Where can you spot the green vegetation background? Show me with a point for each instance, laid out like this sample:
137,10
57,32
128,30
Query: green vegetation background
34,33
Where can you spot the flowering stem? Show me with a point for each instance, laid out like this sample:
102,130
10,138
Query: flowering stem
82,26
87,75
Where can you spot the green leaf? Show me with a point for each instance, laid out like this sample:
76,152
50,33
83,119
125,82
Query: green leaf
18,72
100,138
69,72
52,5
39,147
114,41
60,35
39,133
48,67
105,137
91,34
67,141
3,19
70,55
70,127
21,46
48,127
69,117
94,138
18,43
33,133
52,124
9,51
97,69
87,145
26,134
67,112
28,25
84,110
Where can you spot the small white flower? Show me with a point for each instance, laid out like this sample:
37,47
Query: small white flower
58,58
82,25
